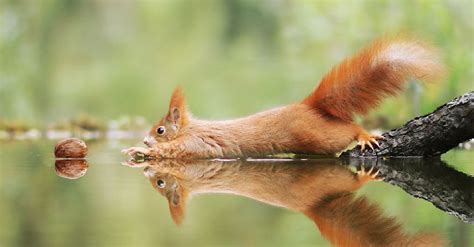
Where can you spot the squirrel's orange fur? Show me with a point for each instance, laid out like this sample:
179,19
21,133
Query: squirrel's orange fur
320,124
361,82
322,190
348,221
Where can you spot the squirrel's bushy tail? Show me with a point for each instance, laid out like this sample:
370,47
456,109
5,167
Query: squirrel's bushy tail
359,83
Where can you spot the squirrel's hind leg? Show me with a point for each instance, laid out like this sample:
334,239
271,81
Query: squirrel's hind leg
363,176
365,138
368,175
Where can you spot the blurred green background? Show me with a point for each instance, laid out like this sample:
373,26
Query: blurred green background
60,58
115,58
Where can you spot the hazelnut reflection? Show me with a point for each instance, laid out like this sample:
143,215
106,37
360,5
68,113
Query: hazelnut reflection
71,169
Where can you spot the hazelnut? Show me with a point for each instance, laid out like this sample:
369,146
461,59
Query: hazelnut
70,148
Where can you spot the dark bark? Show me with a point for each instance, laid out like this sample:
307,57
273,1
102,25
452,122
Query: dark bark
431,179
429,135
428,178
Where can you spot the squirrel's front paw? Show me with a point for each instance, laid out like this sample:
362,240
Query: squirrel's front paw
137,150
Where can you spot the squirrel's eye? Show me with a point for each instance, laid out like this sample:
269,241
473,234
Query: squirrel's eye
161,130
160,183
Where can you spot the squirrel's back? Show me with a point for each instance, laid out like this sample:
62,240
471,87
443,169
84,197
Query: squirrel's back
360,82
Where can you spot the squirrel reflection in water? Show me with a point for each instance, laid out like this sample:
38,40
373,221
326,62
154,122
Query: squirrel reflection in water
322,190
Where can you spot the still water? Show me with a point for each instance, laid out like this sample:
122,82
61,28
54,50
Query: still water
217,203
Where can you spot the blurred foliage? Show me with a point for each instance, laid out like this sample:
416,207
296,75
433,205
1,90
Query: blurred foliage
83,121
87,122
233,57
14,125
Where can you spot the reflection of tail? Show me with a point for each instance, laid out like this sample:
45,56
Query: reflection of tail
346,221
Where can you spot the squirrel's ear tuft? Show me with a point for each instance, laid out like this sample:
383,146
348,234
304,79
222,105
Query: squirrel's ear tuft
177,109
177,99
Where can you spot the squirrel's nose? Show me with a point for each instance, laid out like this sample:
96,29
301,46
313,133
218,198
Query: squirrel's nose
149,141
146,141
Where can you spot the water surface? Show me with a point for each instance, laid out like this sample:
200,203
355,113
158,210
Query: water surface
116,205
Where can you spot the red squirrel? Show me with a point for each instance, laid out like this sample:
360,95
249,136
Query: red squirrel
319,124
320,189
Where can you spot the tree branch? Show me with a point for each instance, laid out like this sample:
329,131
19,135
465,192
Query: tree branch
428,178
429,135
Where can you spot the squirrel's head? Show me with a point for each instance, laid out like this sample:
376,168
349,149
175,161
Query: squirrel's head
170,187
168,128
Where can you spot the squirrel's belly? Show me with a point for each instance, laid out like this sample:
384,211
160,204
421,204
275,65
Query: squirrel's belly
328,140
